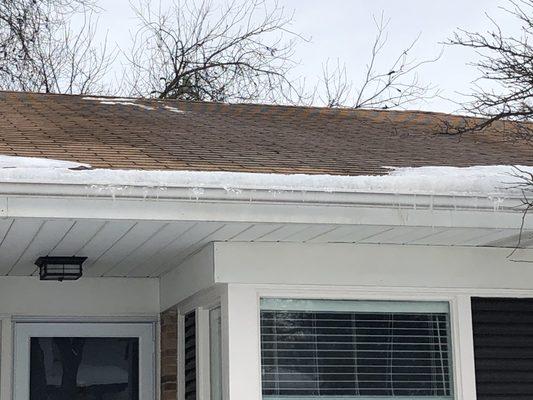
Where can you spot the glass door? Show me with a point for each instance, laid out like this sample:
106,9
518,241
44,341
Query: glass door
84,361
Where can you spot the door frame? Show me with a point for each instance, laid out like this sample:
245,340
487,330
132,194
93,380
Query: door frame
23,331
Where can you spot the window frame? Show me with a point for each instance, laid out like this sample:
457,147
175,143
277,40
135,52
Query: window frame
144,331
460,324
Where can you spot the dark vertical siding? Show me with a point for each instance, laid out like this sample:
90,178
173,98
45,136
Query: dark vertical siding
190,356
503,348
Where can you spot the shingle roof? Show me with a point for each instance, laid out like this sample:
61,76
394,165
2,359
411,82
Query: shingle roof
150,134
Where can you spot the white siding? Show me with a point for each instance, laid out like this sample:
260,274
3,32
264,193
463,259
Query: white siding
192,276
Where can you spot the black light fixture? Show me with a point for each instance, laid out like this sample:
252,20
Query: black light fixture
60,268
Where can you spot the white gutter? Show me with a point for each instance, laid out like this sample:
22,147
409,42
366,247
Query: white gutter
51,200
216,194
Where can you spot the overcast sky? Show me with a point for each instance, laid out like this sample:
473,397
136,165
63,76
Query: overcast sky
344,29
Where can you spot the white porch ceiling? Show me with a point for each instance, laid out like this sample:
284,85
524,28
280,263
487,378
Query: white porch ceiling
151,248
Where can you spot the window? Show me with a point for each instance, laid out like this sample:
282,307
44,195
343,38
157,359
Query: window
84,368
336,349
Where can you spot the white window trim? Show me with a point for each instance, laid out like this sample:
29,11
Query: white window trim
180,381
203,367
8,321
245,344
22,332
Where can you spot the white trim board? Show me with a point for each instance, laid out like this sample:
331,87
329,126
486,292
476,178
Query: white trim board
370,265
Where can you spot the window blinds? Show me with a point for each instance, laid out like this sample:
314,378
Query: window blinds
364,353
190,356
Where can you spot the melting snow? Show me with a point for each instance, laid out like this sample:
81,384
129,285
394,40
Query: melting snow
29,163
173,109
129,102
127,99
492,182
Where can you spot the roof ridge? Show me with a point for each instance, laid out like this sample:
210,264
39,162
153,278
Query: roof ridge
335,110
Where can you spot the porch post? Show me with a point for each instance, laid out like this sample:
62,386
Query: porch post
464,349
242,356
6,351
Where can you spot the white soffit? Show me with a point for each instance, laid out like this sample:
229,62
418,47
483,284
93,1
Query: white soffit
137,248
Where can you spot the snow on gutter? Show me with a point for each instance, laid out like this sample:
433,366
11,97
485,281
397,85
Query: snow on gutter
447,187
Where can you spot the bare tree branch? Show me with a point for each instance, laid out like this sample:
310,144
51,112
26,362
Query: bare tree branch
42,52
504,90
242,51
395,86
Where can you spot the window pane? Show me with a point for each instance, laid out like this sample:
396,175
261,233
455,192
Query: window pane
342,353
215,344
84,368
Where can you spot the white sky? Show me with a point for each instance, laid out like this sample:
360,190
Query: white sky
344,29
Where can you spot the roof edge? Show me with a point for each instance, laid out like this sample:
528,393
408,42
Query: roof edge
342,110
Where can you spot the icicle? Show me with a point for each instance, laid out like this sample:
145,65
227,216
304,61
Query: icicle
197,192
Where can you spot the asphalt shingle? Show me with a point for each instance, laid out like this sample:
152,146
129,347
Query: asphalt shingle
112,133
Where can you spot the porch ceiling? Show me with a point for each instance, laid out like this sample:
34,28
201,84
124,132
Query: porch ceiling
151,248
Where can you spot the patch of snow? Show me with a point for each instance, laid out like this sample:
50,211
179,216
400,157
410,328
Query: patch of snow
126,99
26,163
173,109
494,182
128,103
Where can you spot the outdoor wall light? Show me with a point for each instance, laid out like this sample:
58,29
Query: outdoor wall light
60,268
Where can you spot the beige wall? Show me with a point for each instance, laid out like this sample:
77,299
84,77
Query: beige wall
28,296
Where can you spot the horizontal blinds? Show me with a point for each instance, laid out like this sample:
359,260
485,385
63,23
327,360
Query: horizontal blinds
358,354
503,348
190,356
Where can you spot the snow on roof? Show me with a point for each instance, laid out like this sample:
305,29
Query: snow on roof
129,102
486,181
37,163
